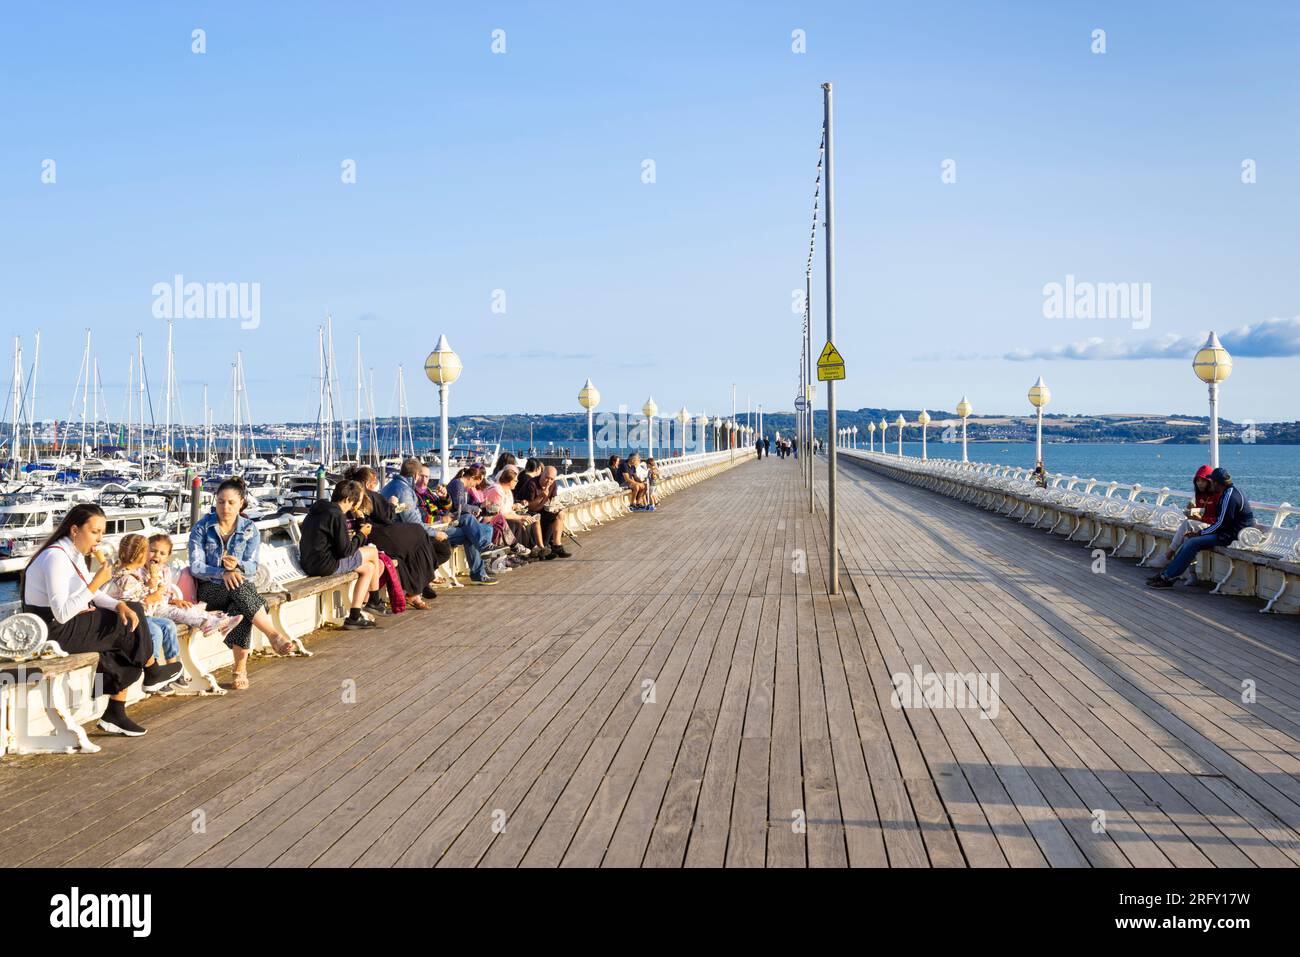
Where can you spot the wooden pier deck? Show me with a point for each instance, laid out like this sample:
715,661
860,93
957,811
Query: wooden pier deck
508,727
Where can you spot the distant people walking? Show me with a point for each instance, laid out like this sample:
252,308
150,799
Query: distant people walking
1234,515
758,448
767,448
794,447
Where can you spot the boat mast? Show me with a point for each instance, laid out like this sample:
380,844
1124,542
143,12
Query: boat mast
85,394
329,368
374,433
139,385
31,400
94,435
16,441
359,381
130,403
401,412
234,451
207,430
167,416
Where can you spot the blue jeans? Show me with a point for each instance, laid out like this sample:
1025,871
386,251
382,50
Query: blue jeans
471,535
163,633
1187,554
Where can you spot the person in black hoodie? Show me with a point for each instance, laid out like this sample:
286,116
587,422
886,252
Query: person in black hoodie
328,547
1234,515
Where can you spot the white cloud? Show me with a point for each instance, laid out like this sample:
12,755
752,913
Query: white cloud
1267,338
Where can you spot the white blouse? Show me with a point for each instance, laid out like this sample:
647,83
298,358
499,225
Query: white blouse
59,582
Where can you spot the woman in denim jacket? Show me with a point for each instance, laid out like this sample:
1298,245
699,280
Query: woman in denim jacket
223,560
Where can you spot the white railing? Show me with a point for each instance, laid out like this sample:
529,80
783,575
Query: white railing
1130,520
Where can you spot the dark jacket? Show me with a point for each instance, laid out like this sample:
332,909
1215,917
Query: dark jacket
325,539
460,503
1234,515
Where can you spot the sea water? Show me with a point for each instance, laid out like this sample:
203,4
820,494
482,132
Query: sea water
1266,473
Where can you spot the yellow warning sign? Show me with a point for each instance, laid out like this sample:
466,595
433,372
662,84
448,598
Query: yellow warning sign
830,364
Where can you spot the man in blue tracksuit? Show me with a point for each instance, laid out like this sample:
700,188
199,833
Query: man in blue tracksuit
465,530
1234,516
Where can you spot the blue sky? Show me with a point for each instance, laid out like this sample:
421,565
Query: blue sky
522,172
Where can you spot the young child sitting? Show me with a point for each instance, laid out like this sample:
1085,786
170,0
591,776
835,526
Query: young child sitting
129,583
163,597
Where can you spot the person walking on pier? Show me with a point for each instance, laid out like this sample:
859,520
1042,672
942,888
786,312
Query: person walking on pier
758,447
767,448
1234,515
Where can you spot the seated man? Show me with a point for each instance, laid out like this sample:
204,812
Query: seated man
629,478
465,530
1234,515
536,493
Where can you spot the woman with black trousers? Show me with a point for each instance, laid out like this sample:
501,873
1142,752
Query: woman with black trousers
417,555
59,589
328,547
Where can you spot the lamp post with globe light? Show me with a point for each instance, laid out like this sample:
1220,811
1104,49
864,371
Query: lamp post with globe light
650,409
964,410
443,367
589,398
1039,396
1212,365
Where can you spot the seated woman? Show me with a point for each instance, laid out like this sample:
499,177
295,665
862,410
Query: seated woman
504,461
1202,511
329,548
223,552
526,527
58,588
414,551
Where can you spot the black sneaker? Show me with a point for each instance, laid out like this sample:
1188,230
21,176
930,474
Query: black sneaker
485,580
376,608
1160,581
548,555
115,721
428,592
354,623
157,677
559,551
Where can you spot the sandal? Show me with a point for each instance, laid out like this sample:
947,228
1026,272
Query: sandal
240,682
418,602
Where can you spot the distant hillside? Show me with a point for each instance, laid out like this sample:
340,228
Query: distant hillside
1173,428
